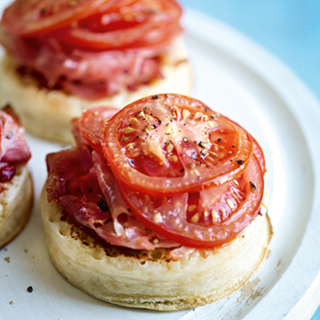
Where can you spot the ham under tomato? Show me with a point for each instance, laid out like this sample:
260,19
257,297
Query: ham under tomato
82,182
90,75
13,147
91,58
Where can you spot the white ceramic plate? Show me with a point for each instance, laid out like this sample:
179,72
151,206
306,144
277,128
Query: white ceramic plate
240,80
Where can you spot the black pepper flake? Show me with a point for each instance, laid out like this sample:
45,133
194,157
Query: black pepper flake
181,170
155,97
195,142
240,161
202,144
129,210
89,190
30,289
103,205
43,11
219,139
233,146
97,224
253,186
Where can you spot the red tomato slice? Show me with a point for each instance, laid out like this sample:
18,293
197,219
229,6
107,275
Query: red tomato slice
169,144
143,23
91,124
256,148
36,17
259,154
208,218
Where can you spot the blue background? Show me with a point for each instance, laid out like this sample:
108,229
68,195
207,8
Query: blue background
289,29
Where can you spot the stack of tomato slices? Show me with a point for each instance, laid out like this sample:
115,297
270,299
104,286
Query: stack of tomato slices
92,48
165,171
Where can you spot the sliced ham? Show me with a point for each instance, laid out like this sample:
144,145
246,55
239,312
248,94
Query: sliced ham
13,147
84,185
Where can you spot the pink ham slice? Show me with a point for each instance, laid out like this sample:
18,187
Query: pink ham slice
87,74
13,147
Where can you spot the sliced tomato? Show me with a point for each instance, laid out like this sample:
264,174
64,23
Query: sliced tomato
141,24
36,17
91,125
257,150
208,218
169,144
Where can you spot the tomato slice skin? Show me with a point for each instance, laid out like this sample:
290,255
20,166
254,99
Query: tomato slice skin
37,17
216,219
169,144
257,150
91,125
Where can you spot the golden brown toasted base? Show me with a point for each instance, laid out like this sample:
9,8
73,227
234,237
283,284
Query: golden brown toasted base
15,205
154,281
47,113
